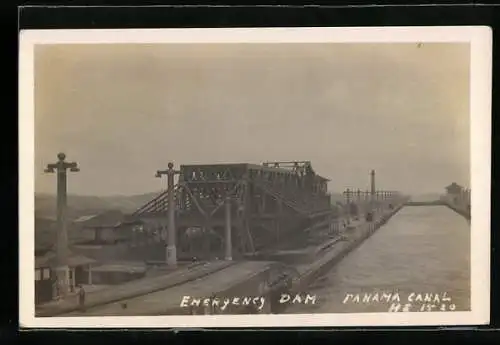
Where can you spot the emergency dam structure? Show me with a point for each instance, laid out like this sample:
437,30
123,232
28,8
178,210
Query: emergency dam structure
262,205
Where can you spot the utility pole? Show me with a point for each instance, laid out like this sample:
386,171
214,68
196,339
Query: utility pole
171,250
347,195
358,201
62,269
372,184
372,191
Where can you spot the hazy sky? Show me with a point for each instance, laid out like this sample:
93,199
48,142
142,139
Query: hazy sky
124,111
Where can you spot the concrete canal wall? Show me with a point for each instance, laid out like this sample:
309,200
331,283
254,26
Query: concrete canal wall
460,203
460,210
325,256
352,239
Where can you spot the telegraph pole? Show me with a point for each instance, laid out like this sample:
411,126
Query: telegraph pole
171,252
62,269
372,190
372,184
347,194
358,202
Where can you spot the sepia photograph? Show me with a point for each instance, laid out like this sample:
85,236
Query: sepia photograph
255,177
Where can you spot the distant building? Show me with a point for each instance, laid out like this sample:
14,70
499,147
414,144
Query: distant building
102,228
454,189
458,196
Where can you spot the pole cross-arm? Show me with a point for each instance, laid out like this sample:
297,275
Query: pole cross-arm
170,170
62,165
51,168
160,173
72,166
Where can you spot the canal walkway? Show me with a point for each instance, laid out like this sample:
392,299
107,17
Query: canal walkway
168,301
134,288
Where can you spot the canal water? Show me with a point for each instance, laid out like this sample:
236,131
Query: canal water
419,259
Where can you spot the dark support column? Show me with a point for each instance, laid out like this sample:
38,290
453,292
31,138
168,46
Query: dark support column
90,274
279,220
171,245
206,238
372,191
228,241
347,194
372,184
98,235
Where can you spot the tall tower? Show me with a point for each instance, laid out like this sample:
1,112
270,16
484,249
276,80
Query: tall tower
171,253
62,269
372,175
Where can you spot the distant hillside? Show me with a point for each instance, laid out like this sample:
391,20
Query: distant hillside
426,197
78,205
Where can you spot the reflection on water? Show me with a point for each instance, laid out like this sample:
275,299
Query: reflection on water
420,250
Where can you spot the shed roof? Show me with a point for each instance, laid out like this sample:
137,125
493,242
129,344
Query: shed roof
50,260
107,219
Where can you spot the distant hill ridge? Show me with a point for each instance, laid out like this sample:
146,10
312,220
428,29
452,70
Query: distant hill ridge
80,205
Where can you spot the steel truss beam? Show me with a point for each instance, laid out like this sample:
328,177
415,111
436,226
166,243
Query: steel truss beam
266,202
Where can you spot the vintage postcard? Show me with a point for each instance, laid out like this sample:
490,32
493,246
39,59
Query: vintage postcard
276,177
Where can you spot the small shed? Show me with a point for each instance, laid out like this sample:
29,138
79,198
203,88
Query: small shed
44,280
103,226
80,272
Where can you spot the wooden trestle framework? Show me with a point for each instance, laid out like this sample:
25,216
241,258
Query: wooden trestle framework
266,202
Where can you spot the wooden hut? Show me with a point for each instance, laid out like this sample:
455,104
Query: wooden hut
80,272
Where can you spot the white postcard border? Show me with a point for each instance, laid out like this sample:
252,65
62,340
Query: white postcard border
480,39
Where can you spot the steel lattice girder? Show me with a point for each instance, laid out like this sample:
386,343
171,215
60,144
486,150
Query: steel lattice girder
302,192
294,191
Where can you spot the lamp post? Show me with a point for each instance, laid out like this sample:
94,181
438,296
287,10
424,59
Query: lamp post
378,199
358,199
62,269
171,250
